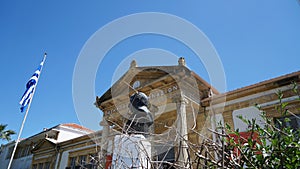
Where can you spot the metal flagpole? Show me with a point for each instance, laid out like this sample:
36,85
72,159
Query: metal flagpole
22,126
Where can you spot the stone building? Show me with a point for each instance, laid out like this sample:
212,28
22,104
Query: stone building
43,150
184,107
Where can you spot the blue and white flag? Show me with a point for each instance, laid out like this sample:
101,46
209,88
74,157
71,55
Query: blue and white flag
30,87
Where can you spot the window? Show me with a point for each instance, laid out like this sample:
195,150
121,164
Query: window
26,151
73,162
93,161
82,159
83,162
93,158
293,122
41,165
9,152
47,165
167,158
19,152
169,155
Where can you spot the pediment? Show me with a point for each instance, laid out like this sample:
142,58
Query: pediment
43,144
146,79
138,77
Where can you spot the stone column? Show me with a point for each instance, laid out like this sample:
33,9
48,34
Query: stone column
182,131
104,141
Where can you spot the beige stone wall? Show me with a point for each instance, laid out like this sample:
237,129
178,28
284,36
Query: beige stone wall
268,101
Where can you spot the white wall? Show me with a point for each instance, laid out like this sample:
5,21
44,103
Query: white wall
67,133
247,113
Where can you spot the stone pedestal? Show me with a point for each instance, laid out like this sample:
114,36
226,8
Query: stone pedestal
131,151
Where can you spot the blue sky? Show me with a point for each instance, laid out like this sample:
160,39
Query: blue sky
256,40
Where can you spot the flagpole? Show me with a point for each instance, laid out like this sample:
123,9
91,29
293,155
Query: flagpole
24,119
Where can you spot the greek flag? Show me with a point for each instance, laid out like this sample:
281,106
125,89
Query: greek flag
30,87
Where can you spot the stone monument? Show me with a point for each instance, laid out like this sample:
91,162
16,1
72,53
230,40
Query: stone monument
132,149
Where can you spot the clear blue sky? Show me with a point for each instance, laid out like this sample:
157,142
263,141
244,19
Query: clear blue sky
256,40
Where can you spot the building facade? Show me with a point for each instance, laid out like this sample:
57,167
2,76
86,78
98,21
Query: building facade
40,151
186,109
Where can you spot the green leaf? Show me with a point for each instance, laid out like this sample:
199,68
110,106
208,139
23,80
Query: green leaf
287,120
283,105
228,126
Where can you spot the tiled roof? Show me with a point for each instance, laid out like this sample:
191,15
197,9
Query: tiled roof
76,126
